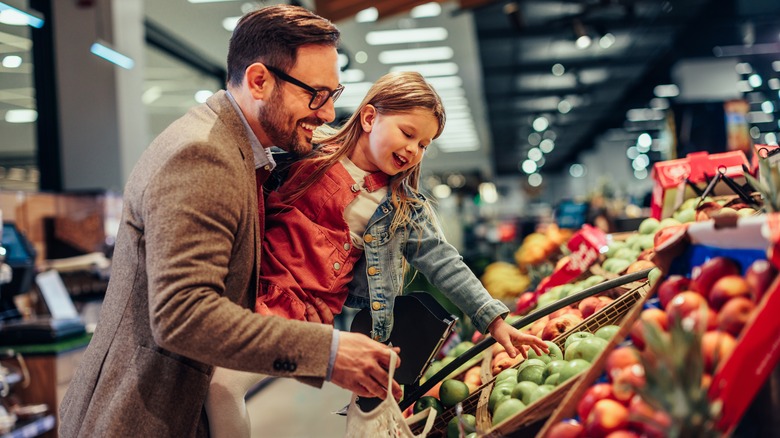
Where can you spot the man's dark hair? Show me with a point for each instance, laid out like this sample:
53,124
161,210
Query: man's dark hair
272,35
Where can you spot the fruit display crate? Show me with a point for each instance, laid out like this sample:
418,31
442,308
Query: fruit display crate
620,312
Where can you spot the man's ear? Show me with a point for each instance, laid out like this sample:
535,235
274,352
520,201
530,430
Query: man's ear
367,117
259,81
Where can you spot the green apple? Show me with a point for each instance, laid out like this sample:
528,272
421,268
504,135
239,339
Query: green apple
498,395
522,391
529,362
507,409
648,226
586,349
555,351
572,368
575,337
509,373
613,247
545,357
540,392
532,373
554,367
460,349
607,332
469,425
552,379
654,275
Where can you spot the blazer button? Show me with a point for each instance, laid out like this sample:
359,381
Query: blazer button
376,305
293,366
337,266
346,247
368,238
372,270
277,365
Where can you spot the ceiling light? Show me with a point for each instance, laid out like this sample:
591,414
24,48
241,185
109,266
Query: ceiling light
535,180
644,115
583,39
667,90
529,166
352,75
755,80
404,36
760,117
632,152
431,9
230,23
12,61
361,57
744,68
535,154
151,95
540,124
488,192
416,55
21,116
776,66
640,173
607,40
430,70
105,51
368,15
577,170
558,69
446,82
17,17
659,103
534,138
644,141
768,107
201,96
455,146
770,138
744,87
549,135
547,146
442,191
564,106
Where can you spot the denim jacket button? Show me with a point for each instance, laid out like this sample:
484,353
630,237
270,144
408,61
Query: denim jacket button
355,188
368,238
376,305
346,247
337,266
372,270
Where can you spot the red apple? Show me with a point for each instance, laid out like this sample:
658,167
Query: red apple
705,318
588,306
716,347
759,276
734,315
566,429
623,434
559,325
627,382
605,417
644,418
726,288
566,310
706,274
639,265
525,303
683,304
707,210
593,394
648,316
619,359
670,287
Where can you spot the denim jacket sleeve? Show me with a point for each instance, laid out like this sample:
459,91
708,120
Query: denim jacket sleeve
429,252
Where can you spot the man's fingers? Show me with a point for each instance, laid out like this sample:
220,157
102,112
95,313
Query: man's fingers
324,312
311,313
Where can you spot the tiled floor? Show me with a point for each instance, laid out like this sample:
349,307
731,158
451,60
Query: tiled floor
287,408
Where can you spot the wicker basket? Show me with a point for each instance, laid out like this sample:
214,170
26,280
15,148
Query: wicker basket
614,313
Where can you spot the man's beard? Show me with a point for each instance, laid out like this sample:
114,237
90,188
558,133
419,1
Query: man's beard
280,126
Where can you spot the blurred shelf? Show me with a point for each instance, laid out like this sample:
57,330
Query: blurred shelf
31,428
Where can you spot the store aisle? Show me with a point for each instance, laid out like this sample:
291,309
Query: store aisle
287,408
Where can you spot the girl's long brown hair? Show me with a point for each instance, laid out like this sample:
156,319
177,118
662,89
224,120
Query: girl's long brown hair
393,93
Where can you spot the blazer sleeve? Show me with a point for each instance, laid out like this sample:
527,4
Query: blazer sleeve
193,207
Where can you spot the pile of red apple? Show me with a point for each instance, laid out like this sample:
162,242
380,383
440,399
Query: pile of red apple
717,298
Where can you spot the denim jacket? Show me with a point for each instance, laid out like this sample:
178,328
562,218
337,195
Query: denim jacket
379,275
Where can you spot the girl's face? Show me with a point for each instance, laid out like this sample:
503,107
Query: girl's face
393,143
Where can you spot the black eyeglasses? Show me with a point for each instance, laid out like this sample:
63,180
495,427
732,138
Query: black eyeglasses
318,95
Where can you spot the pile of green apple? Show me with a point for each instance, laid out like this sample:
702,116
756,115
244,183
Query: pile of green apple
516,388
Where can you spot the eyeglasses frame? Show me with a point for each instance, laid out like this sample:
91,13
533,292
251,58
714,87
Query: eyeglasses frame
332,94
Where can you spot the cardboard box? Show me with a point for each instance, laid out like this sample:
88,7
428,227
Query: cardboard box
669,178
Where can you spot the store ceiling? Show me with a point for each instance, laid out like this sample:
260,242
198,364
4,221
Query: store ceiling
505,52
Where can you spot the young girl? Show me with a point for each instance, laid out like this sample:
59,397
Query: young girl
342,228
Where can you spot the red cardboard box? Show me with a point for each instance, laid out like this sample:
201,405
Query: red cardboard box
669,188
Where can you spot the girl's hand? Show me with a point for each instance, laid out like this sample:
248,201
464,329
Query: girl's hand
513,339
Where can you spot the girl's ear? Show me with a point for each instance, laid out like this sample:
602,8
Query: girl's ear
258,80
367,117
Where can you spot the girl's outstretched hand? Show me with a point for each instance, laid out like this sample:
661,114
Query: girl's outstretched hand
513,339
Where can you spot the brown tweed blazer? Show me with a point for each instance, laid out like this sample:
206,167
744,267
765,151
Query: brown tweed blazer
182,284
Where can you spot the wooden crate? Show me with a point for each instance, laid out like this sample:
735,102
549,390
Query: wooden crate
616,313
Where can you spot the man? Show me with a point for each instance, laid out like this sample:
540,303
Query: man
185,264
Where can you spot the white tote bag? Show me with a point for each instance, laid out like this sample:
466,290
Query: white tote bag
386,420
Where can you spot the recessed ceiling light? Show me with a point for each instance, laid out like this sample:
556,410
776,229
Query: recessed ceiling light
367,15
21,116
431,9
105,51
430,70
202,95
416,55
230,23
352,75
17,17
666,90
535,180
404,36
12,61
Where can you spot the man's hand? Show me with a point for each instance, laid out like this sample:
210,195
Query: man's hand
361,366
319,312
510,337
